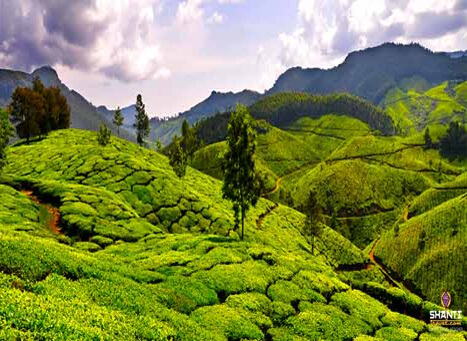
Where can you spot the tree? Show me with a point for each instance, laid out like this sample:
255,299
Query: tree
6,131
188,139
454,143
178,158
142,122
27,110
118,119
428,140
240,180
313,225
103,136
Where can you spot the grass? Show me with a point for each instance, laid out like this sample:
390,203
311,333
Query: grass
145,256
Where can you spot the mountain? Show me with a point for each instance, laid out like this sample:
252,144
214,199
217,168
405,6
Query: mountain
370,73
217,102
83,114
127,112
458,54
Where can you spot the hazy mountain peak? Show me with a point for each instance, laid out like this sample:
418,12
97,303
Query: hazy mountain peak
48,75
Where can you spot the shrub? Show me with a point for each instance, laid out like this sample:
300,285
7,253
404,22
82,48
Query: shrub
103,136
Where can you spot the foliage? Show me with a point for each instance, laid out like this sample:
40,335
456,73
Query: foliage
454,143
104,135
141,122
313,212
38,110
178,158
188,142
283,109
118,119
240,181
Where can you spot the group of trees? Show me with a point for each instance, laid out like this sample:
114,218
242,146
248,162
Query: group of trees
39,110
141,124
283,109
454,142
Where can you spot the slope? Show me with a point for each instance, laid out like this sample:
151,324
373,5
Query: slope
413,111
428,250
120,271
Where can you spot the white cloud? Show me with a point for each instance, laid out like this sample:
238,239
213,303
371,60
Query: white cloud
190,10
216,18
116,38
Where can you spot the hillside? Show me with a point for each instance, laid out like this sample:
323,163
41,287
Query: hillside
372,72
106,243
83,114
421,249
414,110
284,109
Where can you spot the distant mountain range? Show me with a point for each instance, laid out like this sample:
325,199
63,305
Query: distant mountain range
369,73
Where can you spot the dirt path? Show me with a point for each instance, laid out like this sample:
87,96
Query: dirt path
277,186
52,218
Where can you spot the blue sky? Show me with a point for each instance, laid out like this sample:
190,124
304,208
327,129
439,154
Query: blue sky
175,52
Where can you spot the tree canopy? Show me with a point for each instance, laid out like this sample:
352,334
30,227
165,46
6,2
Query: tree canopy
454,143
39,110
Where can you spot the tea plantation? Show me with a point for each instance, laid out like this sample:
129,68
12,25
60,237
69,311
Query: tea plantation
140,255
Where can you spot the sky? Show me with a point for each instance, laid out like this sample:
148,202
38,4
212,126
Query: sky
175,52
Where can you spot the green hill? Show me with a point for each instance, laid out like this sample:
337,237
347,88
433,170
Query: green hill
137,254
428,251
413,111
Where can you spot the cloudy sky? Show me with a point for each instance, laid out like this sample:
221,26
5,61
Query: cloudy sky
175,52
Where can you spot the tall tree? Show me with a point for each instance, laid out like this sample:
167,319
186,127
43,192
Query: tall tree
240,180
188,139
178,158
142,121
27,111
313,226
118,119
6,131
